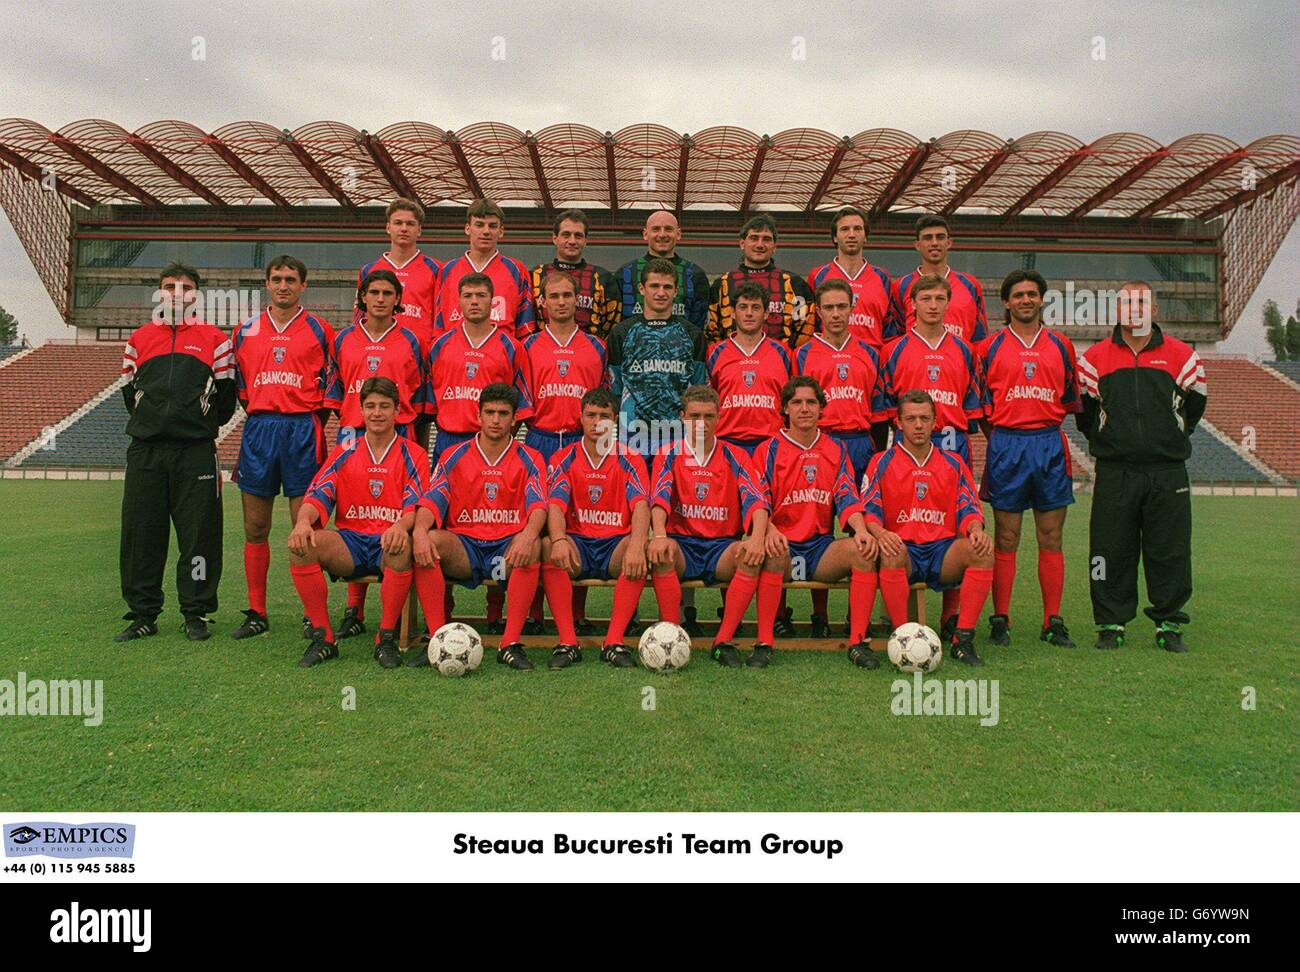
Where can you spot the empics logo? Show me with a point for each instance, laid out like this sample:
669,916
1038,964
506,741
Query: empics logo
49,838
72,925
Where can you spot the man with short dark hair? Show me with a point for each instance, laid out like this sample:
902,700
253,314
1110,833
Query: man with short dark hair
417,273
179,391
965,315
598,304
748,370
873,311
512,289
787,316
1144,392
282,365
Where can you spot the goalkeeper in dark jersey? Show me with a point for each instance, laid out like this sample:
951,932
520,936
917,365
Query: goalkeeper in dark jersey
790,298
691,301
598,302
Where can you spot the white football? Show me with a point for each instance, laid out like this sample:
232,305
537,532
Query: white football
915,648
455,649
664,647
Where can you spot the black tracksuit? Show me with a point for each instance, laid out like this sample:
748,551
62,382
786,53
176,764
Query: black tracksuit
1139,410
180,391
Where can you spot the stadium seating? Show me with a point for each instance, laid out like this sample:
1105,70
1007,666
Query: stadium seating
97,440
1244,395
9,349
1291,369
46,386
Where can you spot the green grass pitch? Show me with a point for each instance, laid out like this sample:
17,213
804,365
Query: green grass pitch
236,726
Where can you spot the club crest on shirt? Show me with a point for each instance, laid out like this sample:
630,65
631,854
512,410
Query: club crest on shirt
376,487
922,487
471,369
932,372
748,377
842,372
562,366
372,362
490,490
278,353
810,472
594,493
701,490
1030,368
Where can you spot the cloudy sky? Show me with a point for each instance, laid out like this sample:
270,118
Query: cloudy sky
1170,69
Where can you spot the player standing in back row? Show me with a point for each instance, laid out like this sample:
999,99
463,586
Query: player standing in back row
512,289
598,304
1029,386
788,315
965,316
873,314
691,291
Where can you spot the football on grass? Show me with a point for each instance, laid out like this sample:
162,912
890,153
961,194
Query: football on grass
665,647
455,649
915,648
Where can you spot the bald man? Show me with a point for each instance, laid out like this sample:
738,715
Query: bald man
662,233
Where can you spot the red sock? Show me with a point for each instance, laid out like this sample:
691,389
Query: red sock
668,592
951,602
1051,579
392,597
257,561
519,592
975,584
495,599
559,595
357,598
1004,578
862,597
433,591
894,589
535,609
769,601
627,594
580,602
310,585
820,602
740,591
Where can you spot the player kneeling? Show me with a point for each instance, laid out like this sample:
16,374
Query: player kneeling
488,503
706,495
371,484
598,523
922,510
809,480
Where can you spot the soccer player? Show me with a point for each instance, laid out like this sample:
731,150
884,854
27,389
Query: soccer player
848,371
748,371
598,302
598,526
417,273
965,315
179,391
1143,394
691,284
931,358
370,484
808,481
1030,385
376,347
282,366
512,291
708,520
873,312
788,313
922,510
483,517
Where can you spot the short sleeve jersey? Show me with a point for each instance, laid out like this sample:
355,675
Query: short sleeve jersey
283,370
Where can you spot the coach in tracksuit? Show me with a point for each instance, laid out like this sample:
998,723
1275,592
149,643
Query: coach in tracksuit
1143,393
180,389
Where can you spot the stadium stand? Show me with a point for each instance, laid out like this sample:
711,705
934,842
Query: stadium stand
97,440
1250,396
1288,369
46,386
9,349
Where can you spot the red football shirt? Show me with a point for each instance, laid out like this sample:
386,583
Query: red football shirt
419,277
483,500
874,312
561,375
1029,385
369,493
948,371
598,498
710,497
284,370
807,487
850,375
921,501
965,316
394,354
459,370
749,385
512,294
